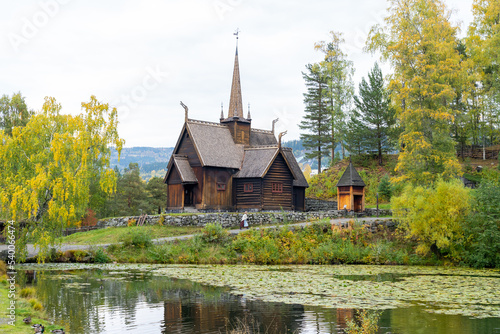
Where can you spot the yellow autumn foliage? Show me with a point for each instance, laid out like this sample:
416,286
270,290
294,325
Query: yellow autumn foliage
46,168
420,43
433,214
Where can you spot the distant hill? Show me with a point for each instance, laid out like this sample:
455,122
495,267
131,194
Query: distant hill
300,154
152,160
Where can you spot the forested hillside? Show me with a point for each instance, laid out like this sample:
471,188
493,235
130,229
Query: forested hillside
152,160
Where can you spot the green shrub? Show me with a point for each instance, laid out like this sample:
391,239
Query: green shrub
80,255
136,238
101,257
385,188
3,268
27,292
161,221
214,233
35,304
482,228
491,175
433,215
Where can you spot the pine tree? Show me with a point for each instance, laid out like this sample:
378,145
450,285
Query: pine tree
317,119
376,116
131,197
357,134
158,193
339,71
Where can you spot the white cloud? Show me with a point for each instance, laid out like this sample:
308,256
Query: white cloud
106,49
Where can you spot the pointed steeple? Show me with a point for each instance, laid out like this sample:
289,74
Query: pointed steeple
235,102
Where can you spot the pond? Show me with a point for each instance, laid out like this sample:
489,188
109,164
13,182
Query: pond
264,299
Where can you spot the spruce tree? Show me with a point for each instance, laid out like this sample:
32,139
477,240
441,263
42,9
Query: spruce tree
317,119
339,71
131,197
385,188
157,193
356,137
374,113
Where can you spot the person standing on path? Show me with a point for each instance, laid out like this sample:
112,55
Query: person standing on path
245,220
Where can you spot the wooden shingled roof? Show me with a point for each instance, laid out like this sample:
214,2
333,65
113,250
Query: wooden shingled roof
256,161
300,180
262,137
185,171
214,144
350,177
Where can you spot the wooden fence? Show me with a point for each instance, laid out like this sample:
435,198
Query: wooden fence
476,152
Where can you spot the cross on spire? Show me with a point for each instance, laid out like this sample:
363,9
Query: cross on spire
236,33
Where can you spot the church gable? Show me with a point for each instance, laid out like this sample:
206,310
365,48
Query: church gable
173,177
187,148
278,185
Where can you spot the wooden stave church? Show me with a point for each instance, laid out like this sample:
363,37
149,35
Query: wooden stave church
230,166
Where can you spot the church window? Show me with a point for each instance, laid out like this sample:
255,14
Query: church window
248,187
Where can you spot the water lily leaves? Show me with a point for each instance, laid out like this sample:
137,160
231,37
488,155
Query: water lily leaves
454,291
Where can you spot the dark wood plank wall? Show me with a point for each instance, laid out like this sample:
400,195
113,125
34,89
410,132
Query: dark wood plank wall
240,132
174,177
186,147
213,198
278,172
175,197
243,134
299,196
198,189
248,200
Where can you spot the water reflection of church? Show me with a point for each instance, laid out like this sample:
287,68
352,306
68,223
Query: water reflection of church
202,316
227,312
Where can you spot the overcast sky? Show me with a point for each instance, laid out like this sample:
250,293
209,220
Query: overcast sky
144,57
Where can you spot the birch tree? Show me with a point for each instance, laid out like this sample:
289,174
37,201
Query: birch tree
420,43
46,169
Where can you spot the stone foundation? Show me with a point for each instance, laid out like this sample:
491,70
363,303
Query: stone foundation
229,220
313,204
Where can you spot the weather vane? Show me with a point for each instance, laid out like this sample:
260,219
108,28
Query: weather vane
236,34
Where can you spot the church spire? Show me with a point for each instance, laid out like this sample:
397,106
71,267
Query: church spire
235,101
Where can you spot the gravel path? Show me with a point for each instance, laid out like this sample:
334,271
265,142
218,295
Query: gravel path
64,247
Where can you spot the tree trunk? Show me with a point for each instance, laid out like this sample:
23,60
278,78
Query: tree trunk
379,139
319,160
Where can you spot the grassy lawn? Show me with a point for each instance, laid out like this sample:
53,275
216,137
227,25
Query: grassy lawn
24,307
382,206
114,234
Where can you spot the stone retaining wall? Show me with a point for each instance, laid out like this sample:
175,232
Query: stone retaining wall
313,204
233,219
